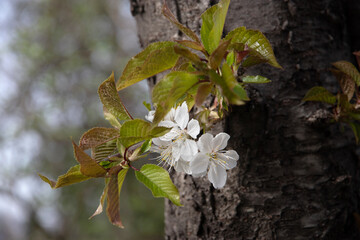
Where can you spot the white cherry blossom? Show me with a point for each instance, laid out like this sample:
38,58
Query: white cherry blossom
177,147
212,159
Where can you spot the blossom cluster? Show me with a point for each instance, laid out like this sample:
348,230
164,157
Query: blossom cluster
179,150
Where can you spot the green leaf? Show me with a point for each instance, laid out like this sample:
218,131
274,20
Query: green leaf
218,54
241,92
97,136
255,79
320,94
111,100
259,46
213,20
356,130
230,58
147,105
113,197
186,53
183,64
158,181
145,146
138,130
155,58
102,200
111,118
169,90
72,176
88,166
169,15
349,69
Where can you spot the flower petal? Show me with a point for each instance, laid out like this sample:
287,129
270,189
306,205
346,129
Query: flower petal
199,163
182,166
217,176
232,154
220,141
182,116
188,149
198,174
176,152
150,116
161,143
204,143
170,116
193,128
174,133
167,123
229,161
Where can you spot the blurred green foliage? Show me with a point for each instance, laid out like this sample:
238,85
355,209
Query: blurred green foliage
61,52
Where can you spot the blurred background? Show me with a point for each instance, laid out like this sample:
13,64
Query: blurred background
53,56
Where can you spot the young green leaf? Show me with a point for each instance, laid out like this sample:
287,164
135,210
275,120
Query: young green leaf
241,92
169,15
102,200
186,53
230,58
138,130
111,100
147,105
111,118
72,176
259,46
113,197
158,181
218,54
255,79
349,69
88,166
320,94
154,59
169,90
213,20
145,146
97,136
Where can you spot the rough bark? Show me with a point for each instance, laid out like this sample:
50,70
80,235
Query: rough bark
297,176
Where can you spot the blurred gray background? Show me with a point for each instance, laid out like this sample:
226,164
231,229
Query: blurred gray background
53,56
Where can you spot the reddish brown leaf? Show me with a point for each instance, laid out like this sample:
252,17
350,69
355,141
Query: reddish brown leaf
88,166
202,92
97,136
218,54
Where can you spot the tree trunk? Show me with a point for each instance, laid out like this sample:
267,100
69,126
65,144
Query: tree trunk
297,176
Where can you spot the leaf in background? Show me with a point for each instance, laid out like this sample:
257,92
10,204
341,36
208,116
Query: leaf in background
113,197
104,150
255,79
138,130
169,90
97,136
259,46
155,58
191,44
111,118
186,53
111,100
88,166
158,181
102,200
218,54
320,94
169,15
72,176
356,129
213,20
203,91
349,69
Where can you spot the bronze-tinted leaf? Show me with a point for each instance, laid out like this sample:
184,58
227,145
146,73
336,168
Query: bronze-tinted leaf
191,44
202,93
349,69
97,136
102,200
88,166
218,54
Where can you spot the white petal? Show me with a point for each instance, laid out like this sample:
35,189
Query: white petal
232,154
228,161
193,128
204,143
182,166
199,174
220,141
199,163
217,175
182,116
188,149
170,116
161,143
176,152
150,116
174,133
167,123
